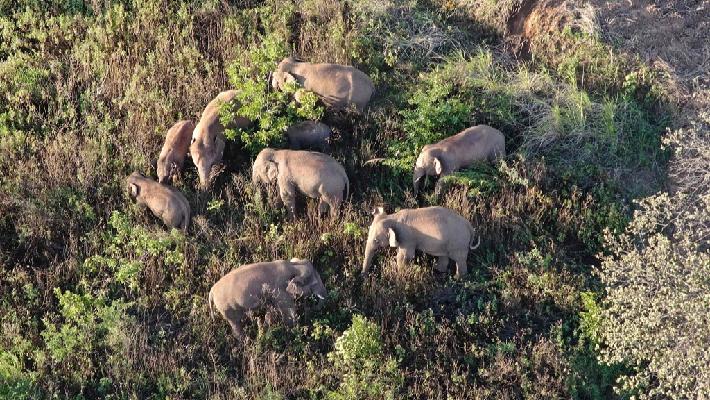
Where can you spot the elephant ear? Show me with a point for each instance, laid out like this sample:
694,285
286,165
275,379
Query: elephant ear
392,237
272,170
295,287
438,167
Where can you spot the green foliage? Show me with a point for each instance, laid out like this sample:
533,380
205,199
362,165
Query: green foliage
17,382
367,373
128,246
272,111
88,324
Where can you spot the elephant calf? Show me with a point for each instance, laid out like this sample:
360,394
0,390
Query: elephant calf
244,289
437,231
338,86
175,148
308,134
208,139
478,143
165,202
314,174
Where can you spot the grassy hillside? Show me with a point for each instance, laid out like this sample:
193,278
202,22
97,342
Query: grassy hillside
98,299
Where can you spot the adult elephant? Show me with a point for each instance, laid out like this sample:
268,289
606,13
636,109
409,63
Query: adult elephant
339,86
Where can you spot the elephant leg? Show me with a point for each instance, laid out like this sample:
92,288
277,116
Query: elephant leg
234,317
287,308
288,196
461,266
322,207
404,256
442,264
334,204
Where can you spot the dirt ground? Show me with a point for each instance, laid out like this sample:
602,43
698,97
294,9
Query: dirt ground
671,35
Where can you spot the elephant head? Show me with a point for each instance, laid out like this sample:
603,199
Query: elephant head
282,75
166,170
429,163
206,151
382,233
133,184
265,169
305,281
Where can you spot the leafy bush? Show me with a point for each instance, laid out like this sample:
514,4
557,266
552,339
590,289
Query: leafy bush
273,111
656,305
88,324
359,356
126,250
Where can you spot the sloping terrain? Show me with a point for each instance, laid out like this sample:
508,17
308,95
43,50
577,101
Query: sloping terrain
99,299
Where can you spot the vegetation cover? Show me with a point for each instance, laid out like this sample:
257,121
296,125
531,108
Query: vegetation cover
99,300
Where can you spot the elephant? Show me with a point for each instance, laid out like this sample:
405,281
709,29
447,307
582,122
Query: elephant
478,143
314,174
175,148
208,139
338,86
437,231
309,134
165,202
244,289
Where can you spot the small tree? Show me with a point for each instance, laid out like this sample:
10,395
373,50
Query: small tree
657,306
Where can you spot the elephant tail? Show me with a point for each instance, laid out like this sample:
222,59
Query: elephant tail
473,234
210,300
347,184
185,222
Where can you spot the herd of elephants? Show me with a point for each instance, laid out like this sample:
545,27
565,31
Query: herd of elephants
437,231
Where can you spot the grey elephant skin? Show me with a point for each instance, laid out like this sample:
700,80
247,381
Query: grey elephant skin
338,86
165,202
437,231
476,144
175,149
208,141
246,287
314,174
309,135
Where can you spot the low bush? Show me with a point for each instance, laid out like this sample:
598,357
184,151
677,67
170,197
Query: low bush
360,359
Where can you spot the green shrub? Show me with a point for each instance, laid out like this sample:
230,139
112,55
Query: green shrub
359,357
272,111
88,325
127,248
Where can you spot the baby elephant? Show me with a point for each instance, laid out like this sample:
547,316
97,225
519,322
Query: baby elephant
175,148
309,135
165,202
437,231
338,86
314,174
479,143
208,139
244,289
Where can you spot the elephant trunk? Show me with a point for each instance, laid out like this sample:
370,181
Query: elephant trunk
204,173
369,254
418,174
